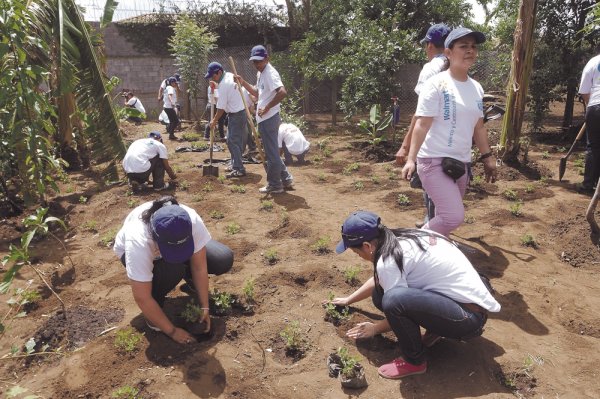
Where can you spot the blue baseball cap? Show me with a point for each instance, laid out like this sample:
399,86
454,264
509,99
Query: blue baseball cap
459,32
172,79
178,77
155,135
213,68
436,34
172,230
359,227
258,53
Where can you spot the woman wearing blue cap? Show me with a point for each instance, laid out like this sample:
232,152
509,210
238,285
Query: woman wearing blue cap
449,118
161,243
420,279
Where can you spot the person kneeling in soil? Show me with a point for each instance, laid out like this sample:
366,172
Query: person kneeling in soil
292,142
161,243
420,279
148,156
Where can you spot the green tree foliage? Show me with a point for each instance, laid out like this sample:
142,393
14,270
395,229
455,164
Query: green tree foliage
190,45
364,42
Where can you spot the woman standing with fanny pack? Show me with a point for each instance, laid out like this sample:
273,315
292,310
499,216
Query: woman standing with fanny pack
449,117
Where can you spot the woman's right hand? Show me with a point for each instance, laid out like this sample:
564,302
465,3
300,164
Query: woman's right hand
408,169
337,301
181,336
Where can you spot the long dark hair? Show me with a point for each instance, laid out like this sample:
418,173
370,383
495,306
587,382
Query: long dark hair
156,205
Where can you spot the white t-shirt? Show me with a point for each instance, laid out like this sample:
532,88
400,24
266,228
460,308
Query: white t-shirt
166,101
229,95
140,152
441,268
590,80
268,83
432,68
164,84
163,117
135,102
136,242
456,107
293,138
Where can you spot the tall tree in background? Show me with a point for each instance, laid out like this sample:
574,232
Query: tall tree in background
518,82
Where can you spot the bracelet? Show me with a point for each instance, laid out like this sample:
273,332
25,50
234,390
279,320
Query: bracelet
486,155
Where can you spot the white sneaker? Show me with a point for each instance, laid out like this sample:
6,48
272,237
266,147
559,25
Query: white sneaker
269,189
165,187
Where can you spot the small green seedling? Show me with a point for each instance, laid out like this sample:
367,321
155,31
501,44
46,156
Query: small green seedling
317,159
403,200
222,301
359,185
271,256
327,153
216,214
200,145
108,238
349,169
125,392
375,180
321,246
528,241
530,188
207,187
510,195
321,177
198,198
476,181
266,205
238,188
293,338
331,312
191,136
579,163
248,290
28,296
177,169
469,219
91,225
545,155
184,185
543,182
232,228
351,274
192,312
83,200
128,340
284,219
221,179
348,362
69,189
132,203
515,209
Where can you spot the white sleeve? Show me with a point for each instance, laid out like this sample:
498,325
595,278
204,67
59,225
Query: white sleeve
587,78
429,100
280,136
131,101
275,79
162,150
139,261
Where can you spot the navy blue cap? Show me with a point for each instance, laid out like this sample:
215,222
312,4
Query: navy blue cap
172,230
359,227
462,32
258,53
436,34
213,68
178,77
172,79
155,135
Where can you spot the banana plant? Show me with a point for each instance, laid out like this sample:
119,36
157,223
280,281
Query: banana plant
375,126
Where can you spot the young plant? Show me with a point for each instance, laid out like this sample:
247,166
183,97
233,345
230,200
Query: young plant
128,340
530,188
332,313
321,177
266,205
293,337
469,219
515,209
232,228
91,225
351,274
403,200
238,188
184,185
192,312
327,153
528,241
510,195
348,362
321,246
359,185
191,136
207,187
545,155
271,256
476,181
221,179
353,167
108,238
132,203
375,180
222,301
83,200
248,290
284,219
198,198
376,124
215,214
125,392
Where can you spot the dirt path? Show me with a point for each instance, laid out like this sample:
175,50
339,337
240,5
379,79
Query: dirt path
544,342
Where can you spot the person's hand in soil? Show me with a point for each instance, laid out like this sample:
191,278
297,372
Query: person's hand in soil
181,336
362,330
489,168
205,318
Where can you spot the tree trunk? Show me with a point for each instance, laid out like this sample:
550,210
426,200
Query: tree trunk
516,96
334,89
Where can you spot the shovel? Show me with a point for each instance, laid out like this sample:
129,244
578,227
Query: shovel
563,161
210,170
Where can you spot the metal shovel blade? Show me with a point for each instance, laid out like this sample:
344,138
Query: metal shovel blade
210,170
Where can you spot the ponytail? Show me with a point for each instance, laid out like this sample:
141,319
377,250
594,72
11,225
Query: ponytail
156,205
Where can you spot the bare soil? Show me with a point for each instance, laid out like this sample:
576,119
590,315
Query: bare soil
544,343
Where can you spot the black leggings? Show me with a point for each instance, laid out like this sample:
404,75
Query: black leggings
166,276
173,120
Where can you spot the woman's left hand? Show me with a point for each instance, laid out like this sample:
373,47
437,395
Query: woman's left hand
362,330
489,168
408,169
206,319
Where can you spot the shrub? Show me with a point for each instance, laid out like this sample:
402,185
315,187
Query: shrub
351,274
188,136
215,214
349,169
271,256
238,188
332,313
321,246
192,312
222,301
128,340
528,241
348,362
232,228
125,392
510,195
266,205
515,209
293,337
359,186
403,200
248,290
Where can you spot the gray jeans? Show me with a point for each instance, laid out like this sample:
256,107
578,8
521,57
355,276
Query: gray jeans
236,132
277,173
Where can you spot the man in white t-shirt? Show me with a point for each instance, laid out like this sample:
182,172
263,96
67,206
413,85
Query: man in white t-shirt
230,102
433,43
212,94
589,88
148,156
270,91
160,244
132,101
170,105
292,142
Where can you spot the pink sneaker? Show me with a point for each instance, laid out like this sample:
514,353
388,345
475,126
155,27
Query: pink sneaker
400,368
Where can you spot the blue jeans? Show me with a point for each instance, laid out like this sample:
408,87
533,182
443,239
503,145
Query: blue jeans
157,169
166,276
592,156
406,309
277,173
236,130
288,155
